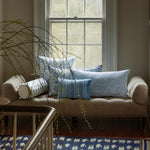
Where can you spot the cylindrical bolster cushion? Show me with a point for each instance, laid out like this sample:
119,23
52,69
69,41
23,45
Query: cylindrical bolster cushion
138,90
10,87
32,88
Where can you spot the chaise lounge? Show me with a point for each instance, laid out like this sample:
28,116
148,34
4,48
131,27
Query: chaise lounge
135,105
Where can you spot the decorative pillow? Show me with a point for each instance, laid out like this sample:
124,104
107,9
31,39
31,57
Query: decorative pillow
75,89
54,74
105,83
46,62
32,88
96,69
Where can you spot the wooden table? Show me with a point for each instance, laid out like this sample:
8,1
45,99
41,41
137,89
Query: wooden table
4,101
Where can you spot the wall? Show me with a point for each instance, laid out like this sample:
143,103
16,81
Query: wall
17,9
132,33
133,36
149,47
1,62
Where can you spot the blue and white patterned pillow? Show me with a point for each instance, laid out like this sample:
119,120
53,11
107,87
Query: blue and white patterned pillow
32,88
55,73
95,69
104,83
74,89
46,63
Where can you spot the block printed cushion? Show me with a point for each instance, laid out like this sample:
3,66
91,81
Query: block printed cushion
46,63
32,88
104,83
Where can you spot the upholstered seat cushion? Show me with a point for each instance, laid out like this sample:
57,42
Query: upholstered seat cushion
96,107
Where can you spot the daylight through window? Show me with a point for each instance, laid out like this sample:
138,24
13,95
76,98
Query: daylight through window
78,24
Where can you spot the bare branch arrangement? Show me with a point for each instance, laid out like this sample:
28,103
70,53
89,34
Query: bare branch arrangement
17,41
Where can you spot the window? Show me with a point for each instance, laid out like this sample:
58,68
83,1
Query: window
78,24
86,28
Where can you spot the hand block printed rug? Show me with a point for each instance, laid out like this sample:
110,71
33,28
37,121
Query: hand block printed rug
79,143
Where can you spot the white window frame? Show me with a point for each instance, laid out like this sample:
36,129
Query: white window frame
109,53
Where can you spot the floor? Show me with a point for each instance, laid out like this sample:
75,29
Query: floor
96,127
104,127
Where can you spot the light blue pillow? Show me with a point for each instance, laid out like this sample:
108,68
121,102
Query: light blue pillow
105,83
95,69
74,89
45,63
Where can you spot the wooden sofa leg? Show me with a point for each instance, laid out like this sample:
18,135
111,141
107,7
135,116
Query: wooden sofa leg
6,121
141,123
74,122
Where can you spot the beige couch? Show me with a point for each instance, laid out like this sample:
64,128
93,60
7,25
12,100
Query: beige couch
133,106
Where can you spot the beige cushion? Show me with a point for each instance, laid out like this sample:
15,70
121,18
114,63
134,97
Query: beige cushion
10,87
138,90
96,107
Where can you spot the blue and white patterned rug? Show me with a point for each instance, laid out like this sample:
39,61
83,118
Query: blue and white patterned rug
77,143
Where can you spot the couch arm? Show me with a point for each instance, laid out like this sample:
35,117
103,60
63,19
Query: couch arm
10,87
138,90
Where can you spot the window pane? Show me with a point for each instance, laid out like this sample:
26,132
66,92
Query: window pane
58,8
93,33
59,31
76,8
75,33
94,8
77,51
58,51
93,56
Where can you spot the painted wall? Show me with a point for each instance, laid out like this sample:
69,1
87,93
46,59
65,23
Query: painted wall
133,36
132,33
17,9
1,62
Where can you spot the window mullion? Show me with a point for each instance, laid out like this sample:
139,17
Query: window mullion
67,7
67,37
80,44
84,32
84,8
51,8
78,18
50,39
84,41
